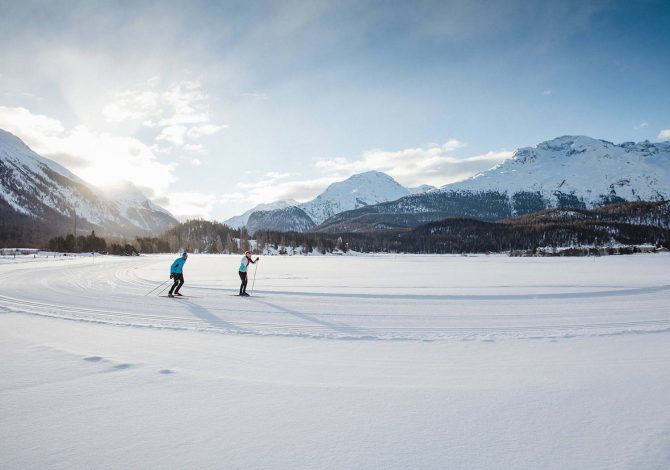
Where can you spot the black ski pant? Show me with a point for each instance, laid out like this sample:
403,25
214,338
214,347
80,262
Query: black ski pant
178,282
243,286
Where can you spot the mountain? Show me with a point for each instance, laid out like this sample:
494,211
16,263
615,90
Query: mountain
39,199
570,171
593,171
361,190
424,188
289,219
139,210
241,220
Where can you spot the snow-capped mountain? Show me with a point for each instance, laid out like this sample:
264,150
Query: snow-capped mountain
140,210
424,188
569,171
364,189
241,220
40,196
591,170
288,219
357,191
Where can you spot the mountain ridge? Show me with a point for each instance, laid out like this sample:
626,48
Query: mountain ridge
359,190
40,196
569,171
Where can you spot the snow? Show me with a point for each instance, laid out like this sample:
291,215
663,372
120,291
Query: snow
29,183
589,168
371,187
337,362
239,221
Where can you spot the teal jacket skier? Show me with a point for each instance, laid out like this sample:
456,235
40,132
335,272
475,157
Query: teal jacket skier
244,264
177,273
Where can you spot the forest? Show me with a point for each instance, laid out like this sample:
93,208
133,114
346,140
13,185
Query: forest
634,223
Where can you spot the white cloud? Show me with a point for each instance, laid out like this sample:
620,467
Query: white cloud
664,134
173,134
181,112
278,175
410,167
190,204
415,166
133,105
642,125
270,190
546,92
195,132
99,158
196,162
194,148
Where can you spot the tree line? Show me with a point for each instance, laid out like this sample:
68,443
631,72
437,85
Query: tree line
623,224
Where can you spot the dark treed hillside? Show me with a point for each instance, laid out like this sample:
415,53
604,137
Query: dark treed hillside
632,223
205,237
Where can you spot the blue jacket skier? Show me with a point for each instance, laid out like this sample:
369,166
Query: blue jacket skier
177,273
244,264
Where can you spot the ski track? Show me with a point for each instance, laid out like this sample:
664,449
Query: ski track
112,291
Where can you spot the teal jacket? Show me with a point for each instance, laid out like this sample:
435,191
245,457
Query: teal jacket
244,264
178,266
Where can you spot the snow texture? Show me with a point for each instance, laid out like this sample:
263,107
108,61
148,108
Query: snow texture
401,362
591,169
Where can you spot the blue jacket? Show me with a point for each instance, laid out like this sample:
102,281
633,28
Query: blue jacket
178,266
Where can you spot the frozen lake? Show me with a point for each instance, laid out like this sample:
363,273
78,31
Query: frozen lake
337,362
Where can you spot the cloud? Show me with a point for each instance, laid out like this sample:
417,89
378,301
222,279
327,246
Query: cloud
277,175
194,148
642,125
180,112
410,167
196,162
423,165
664,134
270,190
191,204
99,158
546,92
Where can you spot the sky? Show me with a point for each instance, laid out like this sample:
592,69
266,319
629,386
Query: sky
212,107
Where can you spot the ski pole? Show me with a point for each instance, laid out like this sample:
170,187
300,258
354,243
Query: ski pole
156,288
163,289
254,281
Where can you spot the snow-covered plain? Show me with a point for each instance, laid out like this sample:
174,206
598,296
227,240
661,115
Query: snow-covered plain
337,362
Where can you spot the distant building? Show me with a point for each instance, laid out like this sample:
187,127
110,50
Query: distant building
18,251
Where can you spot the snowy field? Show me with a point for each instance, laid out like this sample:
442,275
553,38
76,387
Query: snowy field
337,362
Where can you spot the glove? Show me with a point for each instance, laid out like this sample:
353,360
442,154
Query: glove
171,275
257,258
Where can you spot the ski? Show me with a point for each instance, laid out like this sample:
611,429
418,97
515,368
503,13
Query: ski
181,297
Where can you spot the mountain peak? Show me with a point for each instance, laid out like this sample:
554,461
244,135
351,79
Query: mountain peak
573,141
9,138
39,187
595,171
362,189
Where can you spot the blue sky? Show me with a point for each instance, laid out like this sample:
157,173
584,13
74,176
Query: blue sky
213,107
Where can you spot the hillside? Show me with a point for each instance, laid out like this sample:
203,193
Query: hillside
40,198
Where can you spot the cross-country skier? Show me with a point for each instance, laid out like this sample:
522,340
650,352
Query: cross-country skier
244,264
177,273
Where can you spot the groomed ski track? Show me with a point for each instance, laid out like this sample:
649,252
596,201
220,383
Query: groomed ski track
430,362
426,308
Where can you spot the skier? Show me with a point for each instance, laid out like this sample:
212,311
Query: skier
177,273
246,259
